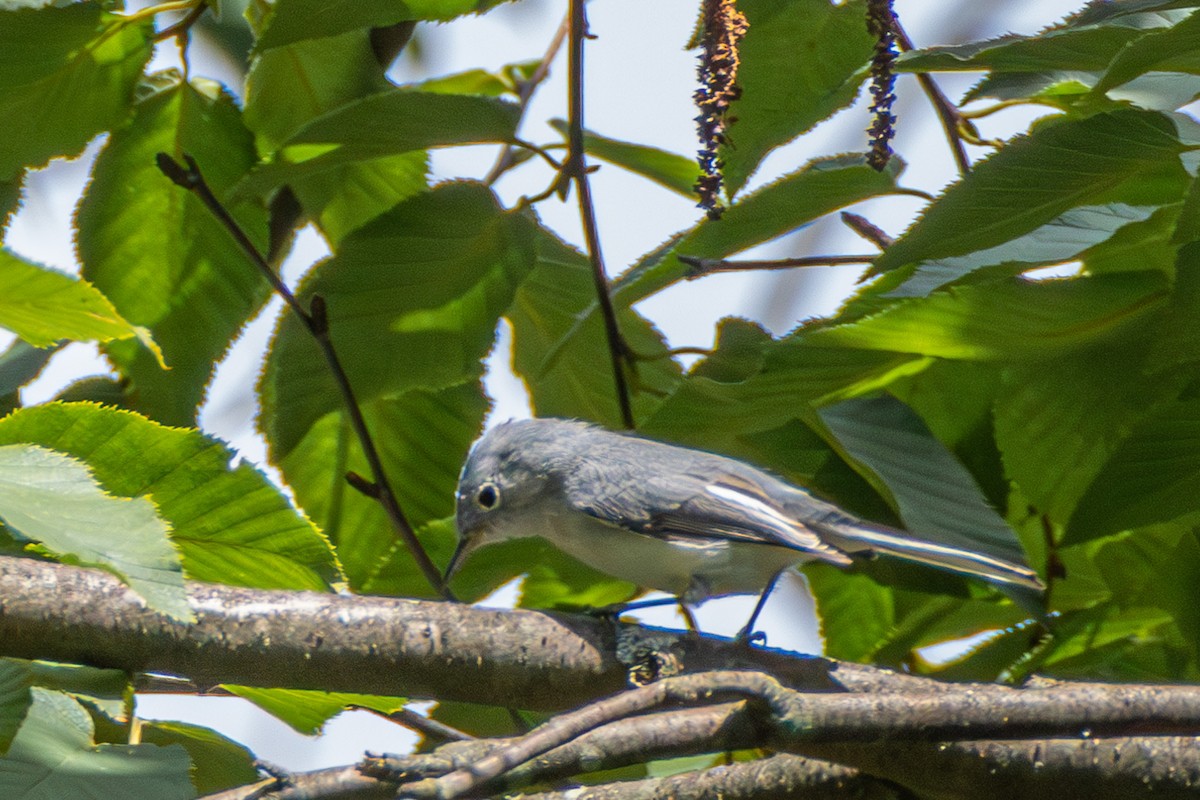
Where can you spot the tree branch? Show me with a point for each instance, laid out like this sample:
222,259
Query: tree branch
576,168
315,322
791,719
948,113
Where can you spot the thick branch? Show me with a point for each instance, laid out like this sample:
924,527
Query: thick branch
377,645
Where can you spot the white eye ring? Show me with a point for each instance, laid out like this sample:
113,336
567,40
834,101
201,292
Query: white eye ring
488,496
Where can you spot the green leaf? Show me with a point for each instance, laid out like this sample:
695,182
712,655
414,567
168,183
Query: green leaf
935,495
53,500
423,437
333,72
579,383
413,300
1059,421
218,763
293,20
1153,476
855,612
44,306
10,197
1174,49
1011,320
54,755
1085,42
230,524
15,698
1063,238
67,74
308,711
817,189
753,384
160,255
675,172
784,95
1124,156
385,124
20,364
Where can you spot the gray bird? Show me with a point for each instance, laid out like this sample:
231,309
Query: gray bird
690,523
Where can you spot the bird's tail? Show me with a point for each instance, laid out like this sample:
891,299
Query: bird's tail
858,536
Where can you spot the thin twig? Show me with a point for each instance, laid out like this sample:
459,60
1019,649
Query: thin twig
947,112
525,91
316,323
699,267
183,26
426,726
867,230
576,168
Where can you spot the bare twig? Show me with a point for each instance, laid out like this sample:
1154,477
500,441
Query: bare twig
867,230
525,91
699,267
576,169
947,112
316,323
180,29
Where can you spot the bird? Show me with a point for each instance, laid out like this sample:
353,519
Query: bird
684,521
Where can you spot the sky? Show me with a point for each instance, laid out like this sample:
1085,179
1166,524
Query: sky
639,86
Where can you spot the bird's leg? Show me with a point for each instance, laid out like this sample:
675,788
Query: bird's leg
747,635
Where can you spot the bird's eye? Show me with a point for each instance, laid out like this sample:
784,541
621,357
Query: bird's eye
488,496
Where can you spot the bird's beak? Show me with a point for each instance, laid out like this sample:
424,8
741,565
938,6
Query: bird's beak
466,545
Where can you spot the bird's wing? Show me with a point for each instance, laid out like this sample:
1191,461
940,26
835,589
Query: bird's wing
729,509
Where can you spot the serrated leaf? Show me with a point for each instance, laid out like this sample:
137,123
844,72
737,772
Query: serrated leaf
819,188
218,763
413,300
53,500
385,124
15,698
1153,476
293,20
711,411
580,382
307,711
1012,320
1058,422
161,256
76,66
1118,156
54,755
20,364
855,612
423,437
1173,49
935,495
783,96
334,71
230,524
1064,238
672,171
44,306
1082,43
